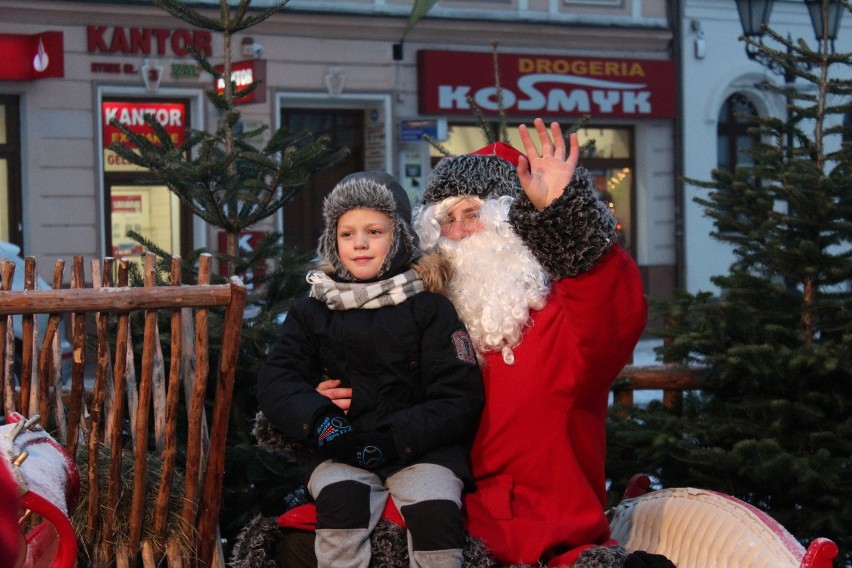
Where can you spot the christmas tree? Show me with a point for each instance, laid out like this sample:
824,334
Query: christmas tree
772,424
231,180
224,177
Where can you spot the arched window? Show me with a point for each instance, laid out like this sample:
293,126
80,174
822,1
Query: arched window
732,135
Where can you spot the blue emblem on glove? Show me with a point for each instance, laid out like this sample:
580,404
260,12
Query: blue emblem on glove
370,457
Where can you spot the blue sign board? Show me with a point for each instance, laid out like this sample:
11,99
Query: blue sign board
413,130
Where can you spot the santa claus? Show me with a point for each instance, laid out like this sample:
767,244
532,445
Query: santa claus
555,307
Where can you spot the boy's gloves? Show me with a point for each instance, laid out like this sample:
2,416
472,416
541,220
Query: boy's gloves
337,439
375,450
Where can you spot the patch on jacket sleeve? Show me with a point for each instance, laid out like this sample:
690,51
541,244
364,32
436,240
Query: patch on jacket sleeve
464,347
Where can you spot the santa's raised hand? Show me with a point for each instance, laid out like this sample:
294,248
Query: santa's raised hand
545,174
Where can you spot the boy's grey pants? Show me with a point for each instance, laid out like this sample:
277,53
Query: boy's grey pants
350,500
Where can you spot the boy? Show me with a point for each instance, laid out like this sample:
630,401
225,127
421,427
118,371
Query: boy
375,322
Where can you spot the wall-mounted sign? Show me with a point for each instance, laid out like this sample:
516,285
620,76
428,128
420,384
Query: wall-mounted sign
546,84
181,70
147,41
171,115
243,73
413,129
28,57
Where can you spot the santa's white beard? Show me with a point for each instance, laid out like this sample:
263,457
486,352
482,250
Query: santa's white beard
497,281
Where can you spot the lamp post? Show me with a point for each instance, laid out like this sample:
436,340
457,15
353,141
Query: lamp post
754,17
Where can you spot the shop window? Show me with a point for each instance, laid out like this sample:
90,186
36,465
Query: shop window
151,211
134,201
606,152
11,229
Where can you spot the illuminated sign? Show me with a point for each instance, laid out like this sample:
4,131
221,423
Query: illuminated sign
243,73
28,57
171,116
546,84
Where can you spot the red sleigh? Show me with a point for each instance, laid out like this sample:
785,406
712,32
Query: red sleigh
48,486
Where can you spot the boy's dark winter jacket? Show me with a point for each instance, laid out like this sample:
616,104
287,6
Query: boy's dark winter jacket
411,368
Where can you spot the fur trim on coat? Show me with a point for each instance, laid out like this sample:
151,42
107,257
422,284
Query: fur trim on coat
571,234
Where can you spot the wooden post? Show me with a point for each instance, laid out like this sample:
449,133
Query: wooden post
194,450
27,344
140,465
212,497
7,343
56,358
117,415
78,364
171,411
98,399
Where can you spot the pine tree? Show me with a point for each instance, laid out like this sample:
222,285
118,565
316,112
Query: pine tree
773,422
222,176
230,181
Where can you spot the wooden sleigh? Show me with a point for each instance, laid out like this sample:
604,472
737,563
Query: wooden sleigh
123,430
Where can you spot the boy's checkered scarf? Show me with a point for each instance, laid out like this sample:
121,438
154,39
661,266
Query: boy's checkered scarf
369,295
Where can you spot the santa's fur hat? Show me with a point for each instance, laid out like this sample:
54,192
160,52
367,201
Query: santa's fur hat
487,173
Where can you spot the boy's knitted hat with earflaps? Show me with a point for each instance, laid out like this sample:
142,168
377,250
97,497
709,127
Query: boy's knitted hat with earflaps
375,190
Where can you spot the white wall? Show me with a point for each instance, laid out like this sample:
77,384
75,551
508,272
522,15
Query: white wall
707,82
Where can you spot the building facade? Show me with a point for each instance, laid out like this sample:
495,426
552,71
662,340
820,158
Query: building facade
344,68
720,84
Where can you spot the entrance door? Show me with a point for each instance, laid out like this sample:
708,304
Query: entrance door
303,213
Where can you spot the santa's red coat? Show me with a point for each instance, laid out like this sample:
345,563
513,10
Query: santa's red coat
539,454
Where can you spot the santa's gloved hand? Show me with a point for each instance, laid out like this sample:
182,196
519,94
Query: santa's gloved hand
374,450
336,439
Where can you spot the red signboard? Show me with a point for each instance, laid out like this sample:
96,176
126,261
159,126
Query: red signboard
28,57
243,73
247,242
172,116
546,85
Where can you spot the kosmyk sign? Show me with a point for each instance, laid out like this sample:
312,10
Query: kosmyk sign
546,84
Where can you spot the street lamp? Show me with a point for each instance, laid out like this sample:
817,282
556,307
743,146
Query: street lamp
826,23
754,16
